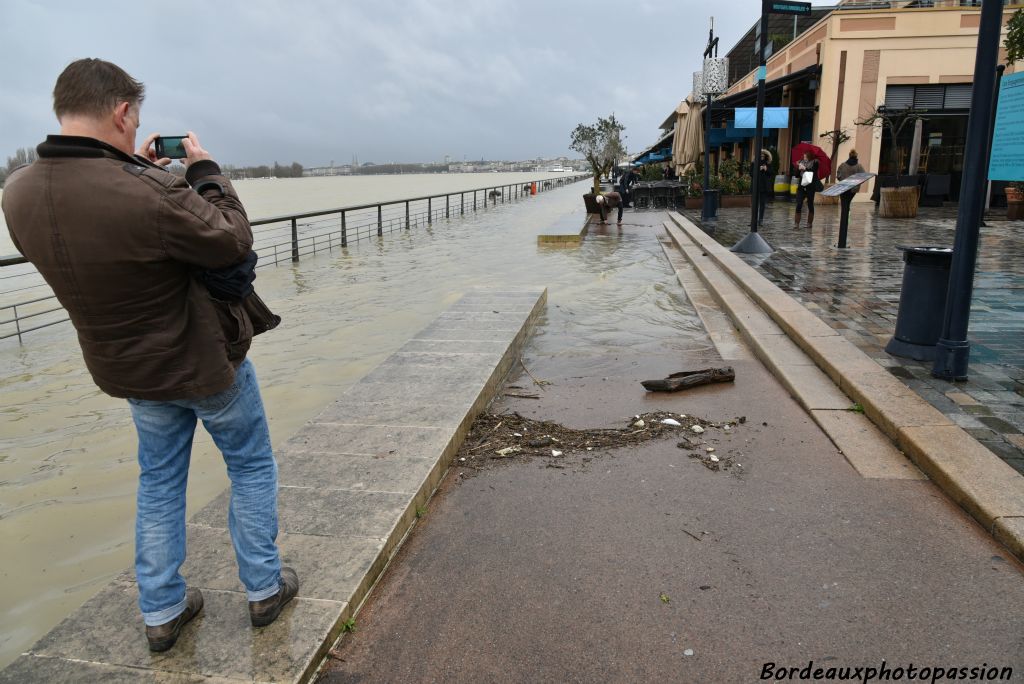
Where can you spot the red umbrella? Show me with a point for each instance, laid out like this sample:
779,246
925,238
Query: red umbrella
824,162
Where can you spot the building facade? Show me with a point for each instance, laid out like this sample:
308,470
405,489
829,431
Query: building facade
915,54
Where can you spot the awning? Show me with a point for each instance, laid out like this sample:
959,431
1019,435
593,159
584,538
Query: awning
664,141
721,108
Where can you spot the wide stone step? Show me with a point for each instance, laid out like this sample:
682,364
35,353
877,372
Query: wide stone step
351,481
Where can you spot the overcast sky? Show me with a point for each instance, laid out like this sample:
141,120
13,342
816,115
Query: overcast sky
392,80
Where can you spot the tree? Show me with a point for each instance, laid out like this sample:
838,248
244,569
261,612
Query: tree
601,145
837,137
894,121
24,155
1015,37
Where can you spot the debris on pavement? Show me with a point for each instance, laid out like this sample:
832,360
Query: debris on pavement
509,437
687,379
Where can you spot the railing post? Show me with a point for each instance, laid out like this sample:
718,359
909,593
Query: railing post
474,200
275,255
17,324
462,204
407,215
380,221
430,211
344,230
446,207
494,200
295,241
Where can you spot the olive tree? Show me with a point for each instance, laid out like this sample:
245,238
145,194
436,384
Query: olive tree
1014,42
601,144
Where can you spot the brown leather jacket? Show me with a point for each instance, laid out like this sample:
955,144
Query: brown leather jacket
120,242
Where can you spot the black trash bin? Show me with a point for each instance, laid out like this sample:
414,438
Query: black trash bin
922,302
709,210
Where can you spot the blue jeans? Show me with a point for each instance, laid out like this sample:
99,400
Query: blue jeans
236,421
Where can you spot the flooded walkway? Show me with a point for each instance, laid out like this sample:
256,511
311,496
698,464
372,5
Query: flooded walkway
67,478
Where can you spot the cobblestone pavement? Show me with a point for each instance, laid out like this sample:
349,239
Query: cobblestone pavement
857,291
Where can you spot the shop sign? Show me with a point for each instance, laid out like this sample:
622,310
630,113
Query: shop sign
782,7
1007,159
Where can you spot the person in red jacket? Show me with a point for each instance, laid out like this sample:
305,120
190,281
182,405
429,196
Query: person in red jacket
127,248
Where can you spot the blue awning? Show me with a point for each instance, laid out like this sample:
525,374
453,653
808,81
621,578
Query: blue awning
734,134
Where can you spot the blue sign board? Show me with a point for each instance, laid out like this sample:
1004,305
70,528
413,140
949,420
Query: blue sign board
1007,161
774,117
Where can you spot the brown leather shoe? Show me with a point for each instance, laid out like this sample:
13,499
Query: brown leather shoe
162,637
262,613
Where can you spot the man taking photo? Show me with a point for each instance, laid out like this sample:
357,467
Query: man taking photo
143,261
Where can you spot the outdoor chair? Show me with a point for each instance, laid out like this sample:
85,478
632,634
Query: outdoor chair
662,196
936,189
642,195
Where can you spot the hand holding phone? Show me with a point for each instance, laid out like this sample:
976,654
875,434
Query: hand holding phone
146,151
170,147
193,150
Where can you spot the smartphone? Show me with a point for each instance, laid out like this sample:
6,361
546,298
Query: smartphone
170,147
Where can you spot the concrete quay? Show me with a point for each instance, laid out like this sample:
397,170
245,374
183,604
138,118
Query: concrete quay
567,231
353,482
827,375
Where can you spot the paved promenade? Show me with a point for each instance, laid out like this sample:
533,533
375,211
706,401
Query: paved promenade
856,291
644,564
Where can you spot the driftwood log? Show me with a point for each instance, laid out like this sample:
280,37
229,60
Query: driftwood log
687,379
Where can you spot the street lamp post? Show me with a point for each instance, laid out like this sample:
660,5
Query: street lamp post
953,349
753,243
709,208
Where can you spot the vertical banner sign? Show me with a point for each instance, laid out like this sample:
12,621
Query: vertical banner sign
1007,159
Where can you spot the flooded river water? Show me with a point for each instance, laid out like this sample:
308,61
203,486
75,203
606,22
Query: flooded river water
67,451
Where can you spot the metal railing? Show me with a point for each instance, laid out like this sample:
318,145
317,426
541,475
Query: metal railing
286,239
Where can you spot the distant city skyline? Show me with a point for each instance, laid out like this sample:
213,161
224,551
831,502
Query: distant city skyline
410,81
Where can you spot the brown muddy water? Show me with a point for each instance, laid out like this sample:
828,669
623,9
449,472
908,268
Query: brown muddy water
67,451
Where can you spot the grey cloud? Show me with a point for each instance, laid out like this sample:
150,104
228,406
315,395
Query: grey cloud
409,80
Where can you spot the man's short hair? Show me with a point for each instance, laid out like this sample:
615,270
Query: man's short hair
93,87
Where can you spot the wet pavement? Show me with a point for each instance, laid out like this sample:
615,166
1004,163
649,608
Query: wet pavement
857,290
642,564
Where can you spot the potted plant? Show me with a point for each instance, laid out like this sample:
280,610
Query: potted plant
899,201
601,145
1015,200
1014,45
693,185
733,185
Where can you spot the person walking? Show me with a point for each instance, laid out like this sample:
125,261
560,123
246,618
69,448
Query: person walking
155,272
807,168
628,179
764,181
848,168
